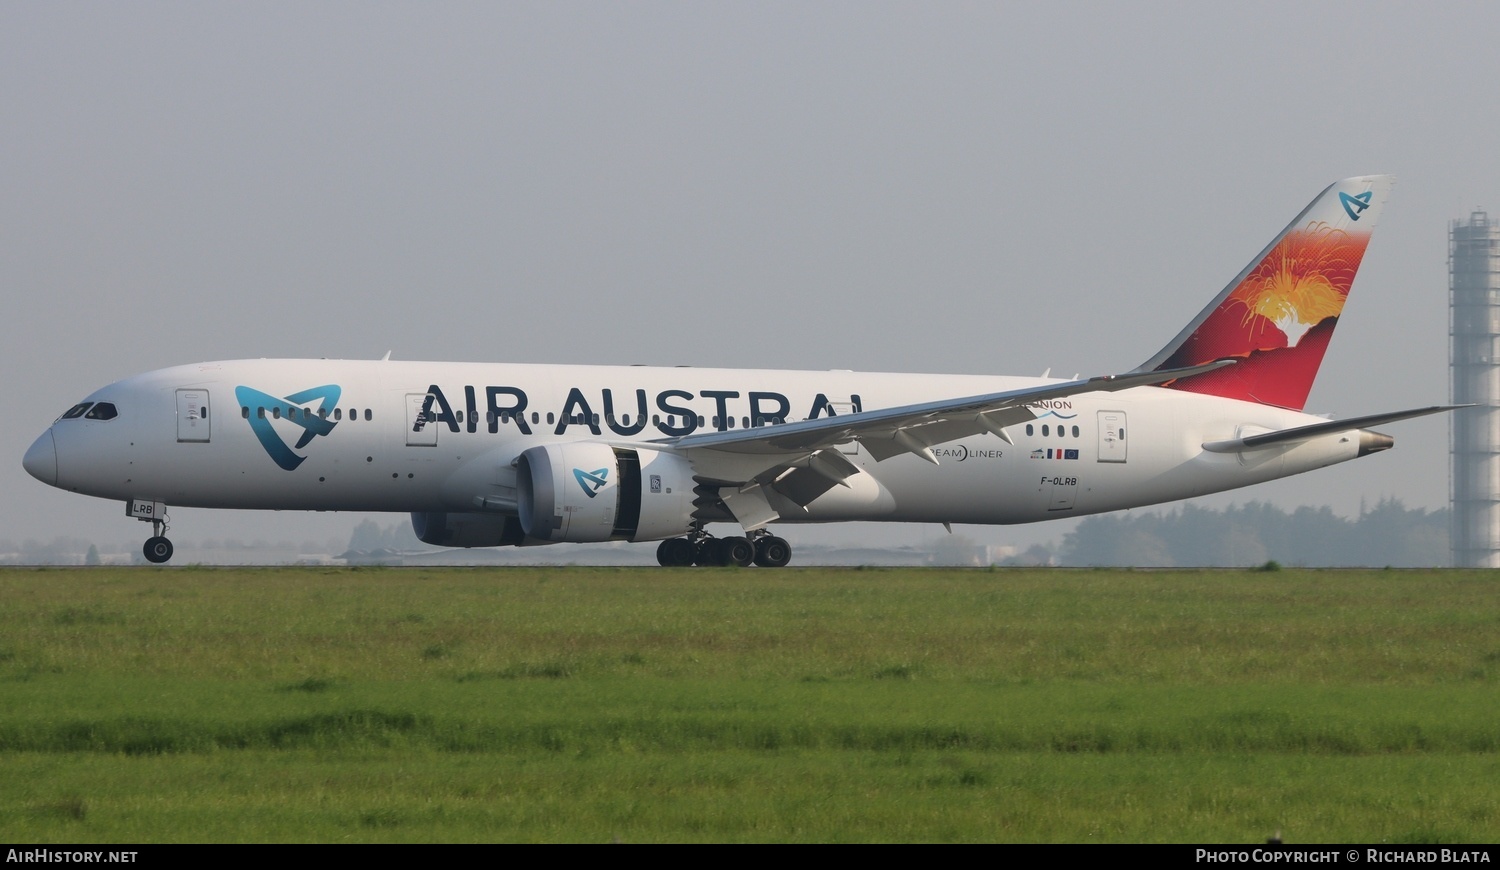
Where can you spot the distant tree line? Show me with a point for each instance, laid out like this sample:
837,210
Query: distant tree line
369,536
66,550
58,551
1241,536
1256,533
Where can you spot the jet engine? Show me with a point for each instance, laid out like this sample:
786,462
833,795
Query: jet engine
466,529
584,491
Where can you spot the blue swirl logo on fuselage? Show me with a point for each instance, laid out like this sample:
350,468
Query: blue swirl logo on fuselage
264,408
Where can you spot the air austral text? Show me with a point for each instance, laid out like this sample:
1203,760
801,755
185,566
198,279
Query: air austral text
60,856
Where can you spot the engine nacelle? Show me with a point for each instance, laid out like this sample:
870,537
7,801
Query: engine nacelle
466,529
583,491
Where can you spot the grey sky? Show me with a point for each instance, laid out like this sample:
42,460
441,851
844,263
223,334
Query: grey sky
976,188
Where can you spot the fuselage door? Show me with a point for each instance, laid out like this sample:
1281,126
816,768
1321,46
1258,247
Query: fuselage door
420,430
192,416
1061,490
1112,436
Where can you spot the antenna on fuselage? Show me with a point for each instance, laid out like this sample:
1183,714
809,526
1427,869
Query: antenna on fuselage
387,357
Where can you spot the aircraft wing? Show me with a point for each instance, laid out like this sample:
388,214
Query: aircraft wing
915,428
763,473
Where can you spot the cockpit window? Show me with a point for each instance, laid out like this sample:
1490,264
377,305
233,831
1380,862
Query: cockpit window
76,411
102,411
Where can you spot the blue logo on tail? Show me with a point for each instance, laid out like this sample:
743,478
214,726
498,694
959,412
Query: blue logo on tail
591,481
265,407
1354,206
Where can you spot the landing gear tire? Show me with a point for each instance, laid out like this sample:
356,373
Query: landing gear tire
765,550
706,552
736,551
157,550
772,552
675,553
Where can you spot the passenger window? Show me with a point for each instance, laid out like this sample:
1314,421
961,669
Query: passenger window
1075,431
244,412
338,414
276,413
1045,430
367,415
1029,430
101,411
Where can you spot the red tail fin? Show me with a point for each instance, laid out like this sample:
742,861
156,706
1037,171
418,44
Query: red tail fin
1278,315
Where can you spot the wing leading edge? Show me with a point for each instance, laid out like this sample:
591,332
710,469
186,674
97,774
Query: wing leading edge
764,473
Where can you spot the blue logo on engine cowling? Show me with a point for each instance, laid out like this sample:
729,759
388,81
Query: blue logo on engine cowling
265,407
591,481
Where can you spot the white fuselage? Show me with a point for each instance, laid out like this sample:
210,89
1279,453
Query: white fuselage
430,436
492,455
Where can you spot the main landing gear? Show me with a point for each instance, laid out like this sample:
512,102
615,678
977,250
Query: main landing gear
699,548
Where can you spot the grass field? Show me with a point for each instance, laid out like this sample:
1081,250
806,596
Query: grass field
584,704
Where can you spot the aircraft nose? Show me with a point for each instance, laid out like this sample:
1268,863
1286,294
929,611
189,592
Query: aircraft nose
41,459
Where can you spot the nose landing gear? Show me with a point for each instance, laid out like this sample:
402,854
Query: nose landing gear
157,549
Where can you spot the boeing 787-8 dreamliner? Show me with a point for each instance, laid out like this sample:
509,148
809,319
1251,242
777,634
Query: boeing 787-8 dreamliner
491,454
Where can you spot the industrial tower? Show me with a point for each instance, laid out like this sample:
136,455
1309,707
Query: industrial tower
1474,358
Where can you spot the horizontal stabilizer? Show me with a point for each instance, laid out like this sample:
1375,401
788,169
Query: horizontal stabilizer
1304,433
